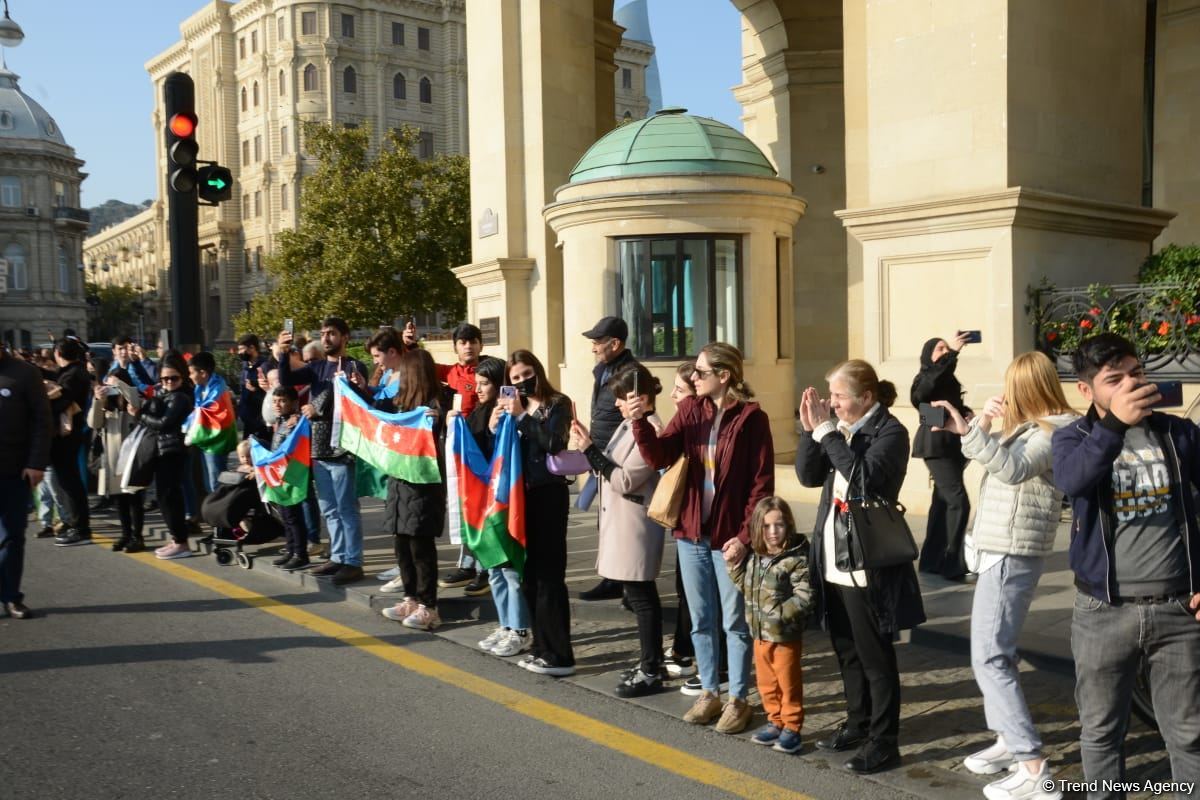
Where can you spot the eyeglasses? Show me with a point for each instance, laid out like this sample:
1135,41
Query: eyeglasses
171,378
703,373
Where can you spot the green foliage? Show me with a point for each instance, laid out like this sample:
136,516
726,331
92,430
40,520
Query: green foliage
364,219
116,313
1173,264
229,367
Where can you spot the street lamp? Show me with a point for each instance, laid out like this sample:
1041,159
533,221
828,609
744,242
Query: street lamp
11,34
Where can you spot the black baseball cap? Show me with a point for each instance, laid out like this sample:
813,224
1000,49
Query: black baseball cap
609,328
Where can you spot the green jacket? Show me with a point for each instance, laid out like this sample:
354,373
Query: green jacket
777,592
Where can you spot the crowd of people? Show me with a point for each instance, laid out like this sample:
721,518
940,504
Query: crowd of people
749,584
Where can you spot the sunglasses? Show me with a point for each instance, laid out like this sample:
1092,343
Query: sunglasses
703,373
171,378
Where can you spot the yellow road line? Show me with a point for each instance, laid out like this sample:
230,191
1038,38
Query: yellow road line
651,752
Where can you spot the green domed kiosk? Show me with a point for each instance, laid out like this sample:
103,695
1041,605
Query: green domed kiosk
679,225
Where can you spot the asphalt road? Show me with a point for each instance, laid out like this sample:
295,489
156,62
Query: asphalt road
144,679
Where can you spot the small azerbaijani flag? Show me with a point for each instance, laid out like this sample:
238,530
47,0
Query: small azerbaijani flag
283,474
400,445
487,500
212,425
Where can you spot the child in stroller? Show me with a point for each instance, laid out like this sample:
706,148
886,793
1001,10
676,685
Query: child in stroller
238,513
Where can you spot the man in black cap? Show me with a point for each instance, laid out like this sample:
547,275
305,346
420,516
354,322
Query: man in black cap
608,346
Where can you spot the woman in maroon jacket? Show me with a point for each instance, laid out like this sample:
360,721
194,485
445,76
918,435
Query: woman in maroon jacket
727,441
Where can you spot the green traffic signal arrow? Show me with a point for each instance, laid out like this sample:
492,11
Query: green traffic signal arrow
217,183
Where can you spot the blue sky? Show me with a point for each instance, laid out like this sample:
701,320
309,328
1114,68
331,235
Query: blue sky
84,61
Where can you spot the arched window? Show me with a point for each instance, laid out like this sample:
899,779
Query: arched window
350,81
282,84
64,270
399,87
18,277
256,94
244,103
6,120
310,78
426,90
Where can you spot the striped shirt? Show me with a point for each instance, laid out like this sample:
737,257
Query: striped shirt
710,467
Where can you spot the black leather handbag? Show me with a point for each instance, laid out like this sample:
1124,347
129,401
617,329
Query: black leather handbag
869,532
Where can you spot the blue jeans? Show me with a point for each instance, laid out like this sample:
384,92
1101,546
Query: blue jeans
713,602
1108,643
47,492
14,495
214,465
466,559
338,500
510,601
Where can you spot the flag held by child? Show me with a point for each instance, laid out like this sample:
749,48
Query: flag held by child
283,474
487,500
212,425
400,445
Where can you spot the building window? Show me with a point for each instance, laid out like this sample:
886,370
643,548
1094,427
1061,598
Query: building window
246,258
398,33
426,90
310,78
626,78
280,32
678,294
18,275
242,49
258,257
257,148
283,196
245,102
284,142
308,23
399,87
64,270
425,147
258,203
245,206
10,192
60,194
347,26
6,120
245,152
255,93
350,81
422,38
282,84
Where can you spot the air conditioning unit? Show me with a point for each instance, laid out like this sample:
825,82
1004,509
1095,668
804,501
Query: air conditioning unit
32,211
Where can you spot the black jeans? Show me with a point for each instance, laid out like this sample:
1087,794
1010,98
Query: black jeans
545,580
417,558
64,458
643,599
14,495
131,508
170,471
948,512
294,529
870,677
681,642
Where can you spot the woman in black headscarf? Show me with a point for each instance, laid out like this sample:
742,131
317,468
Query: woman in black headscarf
942,451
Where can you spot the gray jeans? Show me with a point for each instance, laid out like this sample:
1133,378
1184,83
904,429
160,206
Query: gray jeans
1002,597
1108,643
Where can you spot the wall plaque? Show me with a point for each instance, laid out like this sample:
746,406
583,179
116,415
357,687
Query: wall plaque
490,328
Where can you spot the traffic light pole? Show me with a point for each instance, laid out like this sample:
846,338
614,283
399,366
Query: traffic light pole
179,97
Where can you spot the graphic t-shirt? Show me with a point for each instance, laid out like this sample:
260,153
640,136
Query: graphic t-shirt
1149,557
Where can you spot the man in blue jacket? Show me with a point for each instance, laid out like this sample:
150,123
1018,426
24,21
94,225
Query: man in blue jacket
1135,550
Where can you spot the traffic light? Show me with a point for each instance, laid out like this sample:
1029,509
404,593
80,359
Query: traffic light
215,183
179,103
182,150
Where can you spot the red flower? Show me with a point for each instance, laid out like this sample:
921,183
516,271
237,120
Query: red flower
1095,311
1163,328
1085,323
1193,319
1051,336
1146,325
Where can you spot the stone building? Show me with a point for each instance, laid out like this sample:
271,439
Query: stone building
41,224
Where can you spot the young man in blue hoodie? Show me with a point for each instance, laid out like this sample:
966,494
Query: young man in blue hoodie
1130,472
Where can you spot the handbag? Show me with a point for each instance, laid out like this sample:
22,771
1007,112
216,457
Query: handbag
668,496
869,532
567,463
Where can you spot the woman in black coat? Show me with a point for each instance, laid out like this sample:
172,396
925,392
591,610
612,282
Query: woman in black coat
163,415
864,611
950,507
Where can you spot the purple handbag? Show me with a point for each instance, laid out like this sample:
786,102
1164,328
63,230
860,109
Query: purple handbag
568,463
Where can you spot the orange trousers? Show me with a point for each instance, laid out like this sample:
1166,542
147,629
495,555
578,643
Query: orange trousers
780,683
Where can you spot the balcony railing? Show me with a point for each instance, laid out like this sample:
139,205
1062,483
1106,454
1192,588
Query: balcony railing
67,214
1163,320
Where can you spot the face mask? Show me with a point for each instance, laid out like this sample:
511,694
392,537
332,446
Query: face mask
527,387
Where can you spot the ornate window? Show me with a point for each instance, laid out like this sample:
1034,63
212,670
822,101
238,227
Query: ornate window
282,84
64,270
310,78
10,192
256,94
18,275
399,87
350,80
426,90
245,104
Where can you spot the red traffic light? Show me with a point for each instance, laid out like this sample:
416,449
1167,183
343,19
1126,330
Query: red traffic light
182,125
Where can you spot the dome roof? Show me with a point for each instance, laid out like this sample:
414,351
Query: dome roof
671,141
20,115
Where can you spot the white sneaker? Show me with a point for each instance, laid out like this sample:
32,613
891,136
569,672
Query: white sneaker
513,644
423,619
389,574
990,760
1021,784
400,611
394,586
493,638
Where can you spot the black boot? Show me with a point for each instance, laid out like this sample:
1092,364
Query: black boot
122,543
284,558
136,544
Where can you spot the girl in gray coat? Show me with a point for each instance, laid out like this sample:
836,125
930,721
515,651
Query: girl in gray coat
1015,524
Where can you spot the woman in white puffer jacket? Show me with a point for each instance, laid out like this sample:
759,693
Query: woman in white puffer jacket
1016,518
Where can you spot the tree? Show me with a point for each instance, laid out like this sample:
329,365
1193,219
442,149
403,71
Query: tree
112,311
377,236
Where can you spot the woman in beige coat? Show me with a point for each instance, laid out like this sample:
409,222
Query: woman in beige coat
109,417
631,544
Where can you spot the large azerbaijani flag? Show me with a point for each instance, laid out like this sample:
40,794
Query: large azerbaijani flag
212,425
487,500
400,445
283,473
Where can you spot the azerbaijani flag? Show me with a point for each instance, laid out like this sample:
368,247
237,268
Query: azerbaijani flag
283,474
400,445
487,500
212,425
